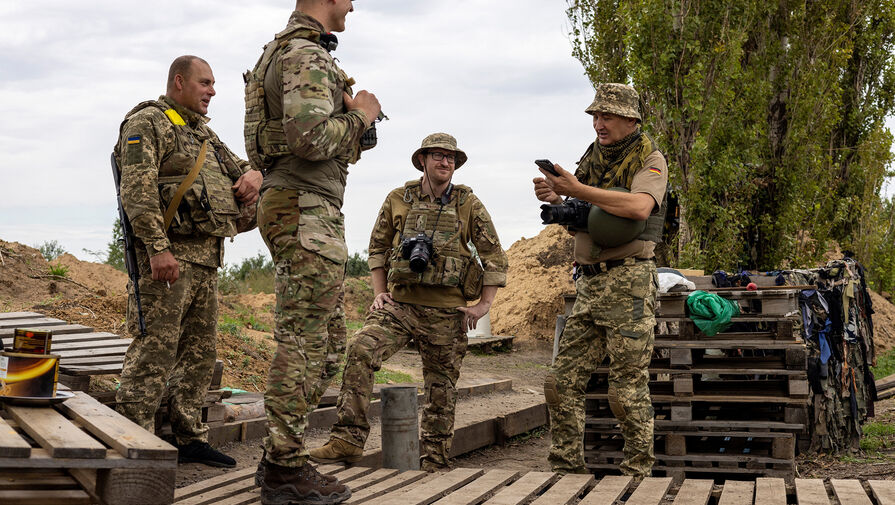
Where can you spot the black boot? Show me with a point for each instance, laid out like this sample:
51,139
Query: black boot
201,452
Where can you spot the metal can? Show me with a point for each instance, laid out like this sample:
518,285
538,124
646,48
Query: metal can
29,375
32,341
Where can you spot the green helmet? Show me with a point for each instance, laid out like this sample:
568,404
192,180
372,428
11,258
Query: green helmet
608,230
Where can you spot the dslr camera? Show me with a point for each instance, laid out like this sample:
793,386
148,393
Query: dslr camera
572,212
417,249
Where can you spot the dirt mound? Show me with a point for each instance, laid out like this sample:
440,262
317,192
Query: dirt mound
25,279
539,274
102,313
100,278
883,323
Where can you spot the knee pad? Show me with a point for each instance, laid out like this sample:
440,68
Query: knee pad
616,405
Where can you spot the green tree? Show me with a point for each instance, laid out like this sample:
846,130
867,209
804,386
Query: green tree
51,249
115,248
357,265
770,115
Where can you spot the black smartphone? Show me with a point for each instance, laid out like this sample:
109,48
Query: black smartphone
548,166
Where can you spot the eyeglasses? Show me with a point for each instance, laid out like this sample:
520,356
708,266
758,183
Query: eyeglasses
438,156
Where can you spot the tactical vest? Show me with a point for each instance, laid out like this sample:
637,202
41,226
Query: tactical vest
450,265
265,137
621,174
208,206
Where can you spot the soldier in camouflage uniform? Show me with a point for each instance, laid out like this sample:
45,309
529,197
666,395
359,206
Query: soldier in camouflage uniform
303,128
614,312
425,303
159,144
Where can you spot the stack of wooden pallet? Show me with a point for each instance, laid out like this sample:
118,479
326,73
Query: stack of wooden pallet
732,404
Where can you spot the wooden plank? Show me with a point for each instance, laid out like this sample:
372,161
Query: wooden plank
214,494
436,488
122,434
717,398
850,492
650,491
55,433
92,369
12,445
609,489
883,491
771,491
566,491
19,315
220,480
64,329
811,492
695,492
524,489
372,478
41,458
481,489
123,486
737,492
115,359
78,345
44,479
41,497
96,336
385,486
90,353
32,322
353,473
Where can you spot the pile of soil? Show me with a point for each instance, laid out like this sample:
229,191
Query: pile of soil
25,279
883,323
539,275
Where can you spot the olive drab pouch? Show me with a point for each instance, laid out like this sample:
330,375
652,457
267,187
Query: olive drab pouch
207,207
473,278
321,228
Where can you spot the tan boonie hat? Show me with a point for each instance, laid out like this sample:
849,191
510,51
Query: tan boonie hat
444,141
614,98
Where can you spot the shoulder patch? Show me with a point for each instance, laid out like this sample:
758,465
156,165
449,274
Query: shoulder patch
134,139
655,170
175,117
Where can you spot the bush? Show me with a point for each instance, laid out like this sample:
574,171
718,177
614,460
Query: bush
59,270
253,275
357,265
51,250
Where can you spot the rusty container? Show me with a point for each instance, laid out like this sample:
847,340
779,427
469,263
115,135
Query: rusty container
31,341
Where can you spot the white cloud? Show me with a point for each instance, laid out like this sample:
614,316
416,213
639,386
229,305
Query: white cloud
495,73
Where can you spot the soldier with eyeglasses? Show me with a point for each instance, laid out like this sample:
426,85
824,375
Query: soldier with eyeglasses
424,273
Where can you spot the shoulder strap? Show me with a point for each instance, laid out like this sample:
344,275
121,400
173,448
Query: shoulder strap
187,182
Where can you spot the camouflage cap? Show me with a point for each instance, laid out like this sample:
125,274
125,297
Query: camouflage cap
619,99
443,141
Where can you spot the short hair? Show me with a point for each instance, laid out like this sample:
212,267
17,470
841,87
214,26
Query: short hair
182,65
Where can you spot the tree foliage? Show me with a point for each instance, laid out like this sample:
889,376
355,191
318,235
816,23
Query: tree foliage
771,116
51,249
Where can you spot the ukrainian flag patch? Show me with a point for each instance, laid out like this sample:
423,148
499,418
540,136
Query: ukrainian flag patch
133,140
655,170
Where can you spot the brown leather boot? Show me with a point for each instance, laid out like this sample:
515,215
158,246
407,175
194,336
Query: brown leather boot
336,451
283,485
259,473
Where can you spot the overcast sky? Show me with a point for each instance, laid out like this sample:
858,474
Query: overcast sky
497,74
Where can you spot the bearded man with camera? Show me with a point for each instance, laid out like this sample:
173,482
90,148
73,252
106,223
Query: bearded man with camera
616,211
424,272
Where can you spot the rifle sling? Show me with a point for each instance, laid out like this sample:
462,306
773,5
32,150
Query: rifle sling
181,190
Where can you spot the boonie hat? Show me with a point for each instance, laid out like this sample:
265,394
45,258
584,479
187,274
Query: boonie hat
614,98
443,141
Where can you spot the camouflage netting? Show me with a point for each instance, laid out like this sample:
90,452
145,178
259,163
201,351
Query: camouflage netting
837,326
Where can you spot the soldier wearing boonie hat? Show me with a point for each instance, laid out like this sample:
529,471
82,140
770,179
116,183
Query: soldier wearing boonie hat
423,276
614,311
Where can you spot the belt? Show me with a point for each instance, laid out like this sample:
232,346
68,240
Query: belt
605,266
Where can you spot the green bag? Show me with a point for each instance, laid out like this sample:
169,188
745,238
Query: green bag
710,312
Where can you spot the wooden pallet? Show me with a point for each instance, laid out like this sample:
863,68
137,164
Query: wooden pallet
113,460
766,302
475,486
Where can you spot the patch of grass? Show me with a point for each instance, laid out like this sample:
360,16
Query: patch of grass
229,325
885,364
353,326
877,437
538,432
385,376
59,270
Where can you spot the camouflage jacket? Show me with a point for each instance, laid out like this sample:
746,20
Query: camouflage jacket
303,87
148,149
475,227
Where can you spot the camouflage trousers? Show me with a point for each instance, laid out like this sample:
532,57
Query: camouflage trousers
613,315
178,351
442,345
306,238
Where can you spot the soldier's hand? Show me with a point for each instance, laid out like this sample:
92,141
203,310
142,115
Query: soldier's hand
564,184
471,315
164,267
380,301
246,187
544,192
365,101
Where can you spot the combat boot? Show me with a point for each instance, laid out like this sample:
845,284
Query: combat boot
336,451
283,485
262,465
